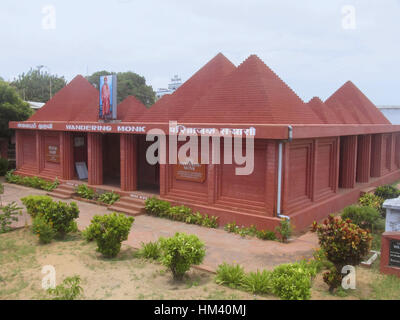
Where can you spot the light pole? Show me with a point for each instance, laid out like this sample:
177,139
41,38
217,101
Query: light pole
48,69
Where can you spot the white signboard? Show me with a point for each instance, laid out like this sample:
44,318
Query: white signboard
392,207
82,170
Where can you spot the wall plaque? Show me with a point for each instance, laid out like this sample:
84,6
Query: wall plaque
52,153
394,253
190,172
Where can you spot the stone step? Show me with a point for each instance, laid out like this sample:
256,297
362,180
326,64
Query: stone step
129,205
131,212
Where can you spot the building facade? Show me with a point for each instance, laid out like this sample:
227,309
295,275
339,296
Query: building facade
310,159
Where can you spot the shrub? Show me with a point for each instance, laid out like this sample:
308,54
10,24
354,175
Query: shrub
284,230
266,235
157,207
364,217
292,281
85,192
109,231
70,289
36,204
387,192
180,252
33,182
109,197
344,243
3,166
230,275
373,201
179,213
150,250
43,229
209,222
8,215
258,282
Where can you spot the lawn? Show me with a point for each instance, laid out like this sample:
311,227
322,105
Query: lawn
131,277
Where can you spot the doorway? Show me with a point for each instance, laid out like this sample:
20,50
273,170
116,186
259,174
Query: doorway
111,160
148,175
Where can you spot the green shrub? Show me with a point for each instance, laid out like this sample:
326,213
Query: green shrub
209,222
8,215
364,217
320,261
85,192
36,204
373,201
109,231
387,192
258,282
250,231
109,197
284,230
33,182
230,275
344,243
266,235
179,213
292,281
70,289
43,229
180,252
3,166
150,250
157,207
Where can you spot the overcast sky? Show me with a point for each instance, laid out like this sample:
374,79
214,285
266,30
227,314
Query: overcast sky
312,45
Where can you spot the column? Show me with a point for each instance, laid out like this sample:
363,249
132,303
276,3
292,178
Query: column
66,156
364,158
376,155
95,158
128,146
18,149
39,149
348,162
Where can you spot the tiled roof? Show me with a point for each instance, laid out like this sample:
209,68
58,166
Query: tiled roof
77,101
176,104
130,109
351,106
253,93
324,113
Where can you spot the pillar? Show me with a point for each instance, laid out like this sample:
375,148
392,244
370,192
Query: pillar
348,162
66,156
18,149
95,158
376,155
39,152
363,158
128,146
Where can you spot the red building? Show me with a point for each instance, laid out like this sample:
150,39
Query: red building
310,159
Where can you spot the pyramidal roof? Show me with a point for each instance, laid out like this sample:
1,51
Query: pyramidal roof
324,113
130,109
77,101
352,106
252,93
176,104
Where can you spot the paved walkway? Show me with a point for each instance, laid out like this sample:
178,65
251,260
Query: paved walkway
221,246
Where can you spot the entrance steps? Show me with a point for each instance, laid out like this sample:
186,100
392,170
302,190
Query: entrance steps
129,205
63,191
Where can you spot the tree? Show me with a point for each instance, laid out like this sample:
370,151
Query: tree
129,84
36,85
12,108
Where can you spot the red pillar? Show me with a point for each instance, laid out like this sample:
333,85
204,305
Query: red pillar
95,158
18,149
66,155
128,143
364,158
348,162
39,149
376,155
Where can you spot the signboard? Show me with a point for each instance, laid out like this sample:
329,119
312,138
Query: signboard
108,97
394,253
82,170
190,172
52,153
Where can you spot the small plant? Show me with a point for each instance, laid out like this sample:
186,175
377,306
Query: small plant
250,231
109,197
157,207
3,166
258,282
373,201
43,229
343,243
365,217
150,250
387,192
266,235
180,252
284,230
179,213
70,289
230,275
36,204
109,231
33,182
85,192
9,214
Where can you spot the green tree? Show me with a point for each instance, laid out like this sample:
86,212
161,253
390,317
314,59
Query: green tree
35,85
12,108
129,84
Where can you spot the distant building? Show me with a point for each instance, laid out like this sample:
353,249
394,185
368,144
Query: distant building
176,82
392,113
35,105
